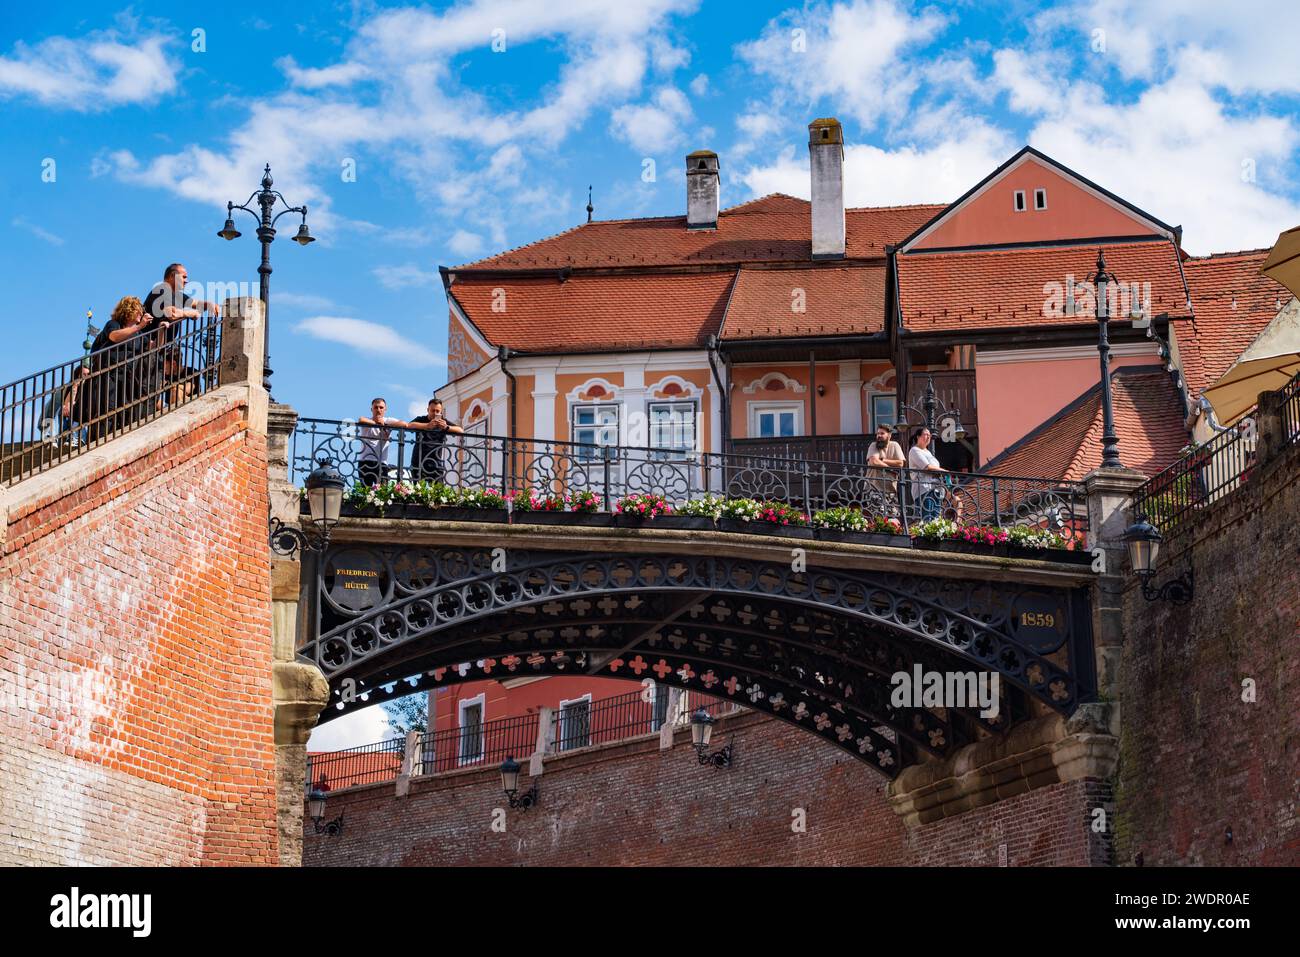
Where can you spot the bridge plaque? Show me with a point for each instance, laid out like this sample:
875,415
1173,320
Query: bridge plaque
356,579
1040,622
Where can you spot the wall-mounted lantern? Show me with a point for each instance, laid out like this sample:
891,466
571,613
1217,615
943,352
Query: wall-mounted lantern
701,733
316,811
510,784
325,488
1143,540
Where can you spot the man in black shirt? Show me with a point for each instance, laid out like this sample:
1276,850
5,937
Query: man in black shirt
167,303
432,431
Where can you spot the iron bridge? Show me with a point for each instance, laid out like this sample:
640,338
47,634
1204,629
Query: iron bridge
815,648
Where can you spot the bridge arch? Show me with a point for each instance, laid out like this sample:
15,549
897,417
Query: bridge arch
815,647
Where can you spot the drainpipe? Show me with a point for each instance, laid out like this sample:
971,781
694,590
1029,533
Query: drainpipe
724,400
503,356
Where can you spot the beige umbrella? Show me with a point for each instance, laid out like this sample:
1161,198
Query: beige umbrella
1268,363
1283,263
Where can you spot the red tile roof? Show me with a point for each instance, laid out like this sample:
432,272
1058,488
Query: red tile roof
603,313
1148,420
811,301
1232,303
775,228
958,291
335,770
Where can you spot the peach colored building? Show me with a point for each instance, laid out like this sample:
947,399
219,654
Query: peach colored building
793,327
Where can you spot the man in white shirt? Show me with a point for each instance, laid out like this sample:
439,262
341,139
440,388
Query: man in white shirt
375,436
926,490
885,453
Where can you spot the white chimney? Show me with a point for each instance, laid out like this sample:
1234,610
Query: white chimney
702,190
826,159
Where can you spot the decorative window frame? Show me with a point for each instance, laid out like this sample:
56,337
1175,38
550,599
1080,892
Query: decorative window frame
753,409
1019,201
761,384
1040,191
481,700
689,390
692,401
478,411
612,392
559,720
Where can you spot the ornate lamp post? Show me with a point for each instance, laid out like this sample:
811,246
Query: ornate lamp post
316,811
266,199
1109,440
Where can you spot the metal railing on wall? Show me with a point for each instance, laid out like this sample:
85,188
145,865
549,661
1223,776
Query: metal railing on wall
60,412
368,455
605,721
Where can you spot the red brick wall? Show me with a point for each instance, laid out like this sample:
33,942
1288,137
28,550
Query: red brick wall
1195,758
135,656
633,804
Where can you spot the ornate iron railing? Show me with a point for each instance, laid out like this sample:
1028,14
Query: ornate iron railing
490,742
547,467
62,411
583,724
1201,477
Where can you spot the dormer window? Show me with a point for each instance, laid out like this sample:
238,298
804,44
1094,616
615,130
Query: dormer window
1040,199
1019,201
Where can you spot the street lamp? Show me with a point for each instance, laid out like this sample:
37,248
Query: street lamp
1143,540
930,410
701,733
316,811
266,199
325,487
510,784
1109,440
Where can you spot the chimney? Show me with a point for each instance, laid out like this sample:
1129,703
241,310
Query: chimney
702,190
826,159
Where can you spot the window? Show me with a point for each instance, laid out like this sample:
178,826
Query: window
775,420
672,426
884,410
1019,199
594,425
1040,199
471,729
660,715
575,724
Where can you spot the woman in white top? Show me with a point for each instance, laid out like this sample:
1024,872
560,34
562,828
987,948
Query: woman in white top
925,489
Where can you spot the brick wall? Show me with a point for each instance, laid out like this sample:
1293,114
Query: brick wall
135,650
634,804
1195,758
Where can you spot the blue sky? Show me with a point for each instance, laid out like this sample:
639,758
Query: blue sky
1187,108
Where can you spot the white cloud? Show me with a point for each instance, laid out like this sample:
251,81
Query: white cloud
404,276
37,231
873,176
366,726
90,73
371,338
1234,46
655,126
465,244
700,85
317,78
851,55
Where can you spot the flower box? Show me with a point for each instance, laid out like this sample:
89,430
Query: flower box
863,538
694,523
765,528
1075,556
602,519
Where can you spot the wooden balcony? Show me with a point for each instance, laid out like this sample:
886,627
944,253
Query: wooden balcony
847,449
955,390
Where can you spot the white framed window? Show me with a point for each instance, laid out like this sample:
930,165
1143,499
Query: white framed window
1018,201
884,410
478,428
594,424
1040,199
673,426
775,420
574,729
469,720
